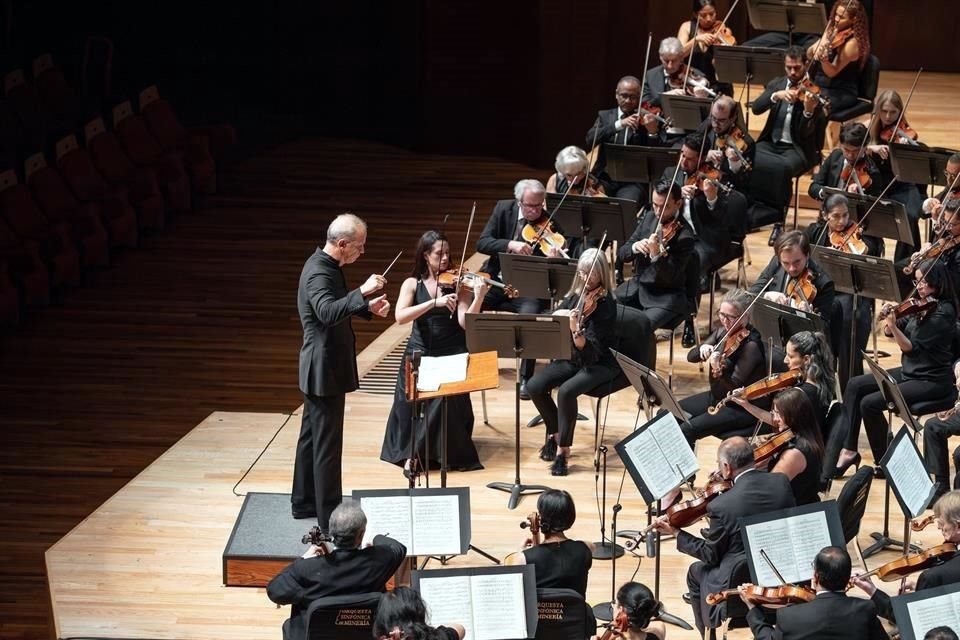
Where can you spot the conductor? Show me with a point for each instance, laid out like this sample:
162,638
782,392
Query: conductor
328,365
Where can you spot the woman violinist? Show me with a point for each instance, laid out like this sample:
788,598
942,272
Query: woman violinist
946,513
591,364
925,372
703,33
402,615
633,612
841,53
571,165
437,316
735,363
836,230
802,459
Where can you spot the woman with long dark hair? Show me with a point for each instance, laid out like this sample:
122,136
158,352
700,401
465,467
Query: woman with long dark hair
802,459
841,53
703,33
437,316
633,612
402,615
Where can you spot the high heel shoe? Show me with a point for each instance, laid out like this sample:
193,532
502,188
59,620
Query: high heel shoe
854,461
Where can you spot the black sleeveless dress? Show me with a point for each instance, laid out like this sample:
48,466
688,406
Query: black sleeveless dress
807,483
434,333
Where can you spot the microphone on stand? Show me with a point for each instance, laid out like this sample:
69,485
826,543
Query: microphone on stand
651,544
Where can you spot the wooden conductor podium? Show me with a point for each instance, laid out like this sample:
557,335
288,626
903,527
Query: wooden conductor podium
482,374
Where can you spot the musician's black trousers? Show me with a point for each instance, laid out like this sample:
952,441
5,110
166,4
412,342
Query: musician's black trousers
936,432
571,381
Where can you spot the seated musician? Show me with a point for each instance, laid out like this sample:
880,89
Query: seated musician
836,171
941,633
591,362
933,207
841,53
801,460
503,234
925,372
947,225
671,76
704,32
735,364
831,614
946,512
728,147
659,286
402,613
782,39
633,612
936,434
721,552
626,124
790,141
835,229
798,281
571,165
345,570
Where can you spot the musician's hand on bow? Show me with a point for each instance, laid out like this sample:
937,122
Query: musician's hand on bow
448,300
853,187
575,323
632,121
554,252
705,352
881,150
663,526
705,38
379,306
519,247
642,246
654,249
650,122
776,297
864,583
710,190
312,552
715,157
909,586
373,284
480,289
688,191
932,207
742,592
675,92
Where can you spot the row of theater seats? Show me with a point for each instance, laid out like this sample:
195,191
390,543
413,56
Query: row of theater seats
66,207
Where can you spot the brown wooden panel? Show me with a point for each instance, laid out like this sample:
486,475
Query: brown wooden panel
252,572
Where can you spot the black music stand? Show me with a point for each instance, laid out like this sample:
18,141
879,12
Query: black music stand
629,163
754,65
519,336
686,112
787,16
888,219
594,216
895,404
866,276
777,322
920,165
538,277
654,390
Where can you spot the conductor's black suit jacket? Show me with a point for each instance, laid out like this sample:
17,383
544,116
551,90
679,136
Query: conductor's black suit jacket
328,361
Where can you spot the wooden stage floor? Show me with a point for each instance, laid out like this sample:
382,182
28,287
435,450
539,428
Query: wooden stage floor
146,563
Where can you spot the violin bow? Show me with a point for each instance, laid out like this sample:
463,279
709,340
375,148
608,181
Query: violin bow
643,78
746,311
766,558
860,153
940,255
859,224
723,23
896,126
463,254
686,71
593,263
546,225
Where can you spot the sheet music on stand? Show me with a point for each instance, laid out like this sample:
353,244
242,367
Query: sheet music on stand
686,112
907,475
787,15
920,611
492,603
437,370
888,219
791,538
590,217
658,457
428,522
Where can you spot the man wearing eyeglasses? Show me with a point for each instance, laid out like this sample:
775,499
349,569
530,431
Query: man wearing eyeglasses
624,125
947,228
933,207
733,162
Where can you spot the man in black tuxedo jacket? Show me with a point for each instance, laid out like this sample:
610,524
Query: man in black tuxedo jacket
344,570
502,234
792,136
946,512
832,614
852,135
328,363
623,125
720,553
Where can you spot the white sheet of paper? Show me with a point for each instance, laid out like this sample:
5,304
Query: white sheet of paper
905,469
388,515
436,525
791,544
498,606
658,451
934,612
448,602
437,370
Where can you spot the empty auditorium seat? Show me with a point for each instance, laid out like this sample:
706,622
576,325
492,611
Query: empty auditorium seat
88,186
9,298
140,183
144,150
24,103
27,270
59,205
56,96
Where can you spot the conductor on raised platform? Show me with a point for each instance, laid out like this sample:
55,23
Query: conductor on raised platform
328,363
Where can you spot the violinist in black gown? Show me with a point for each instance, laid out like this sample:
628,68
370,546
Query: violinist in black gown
591,362
947,229
704,33
437,317
946,512
834,224
841,53
802,458
925,373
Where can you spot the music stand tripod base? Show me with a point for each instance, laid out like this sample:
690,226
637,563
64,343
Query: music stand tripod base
517,491
605,550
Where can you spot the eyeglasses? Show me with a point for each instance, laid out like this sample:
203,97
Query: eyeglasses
726,316
628,96
716,119
531,207
950,176
921,281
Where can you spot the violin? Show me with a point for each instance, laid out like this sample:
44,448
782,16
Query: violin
588,304
767,596
617,627
533,523
695,80
685,513
902,133
730,346
319,539
922,523
448,280
942,245
734,140
808,88
848,242
909,307
763,387
901,567
801,290
542,234
837,42
722,34
771,446
665,233
590,187
647,109
861,177
706,172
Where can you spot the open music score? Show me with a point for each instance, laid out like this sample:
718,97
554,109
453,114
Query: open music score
426,521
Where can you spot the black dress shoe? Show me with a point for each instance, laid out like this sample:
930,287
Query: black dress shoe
688,339
548,452
686,598
559,466
524,394
774,234
303,514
